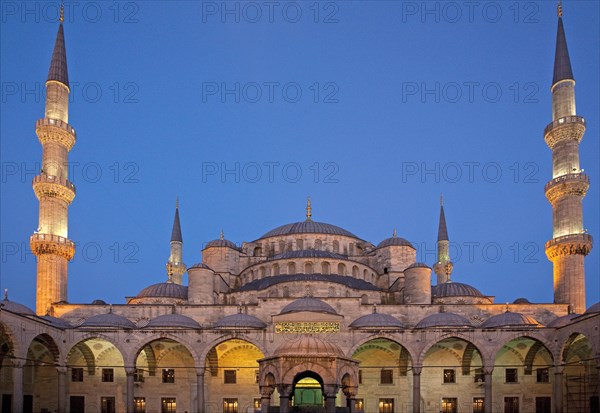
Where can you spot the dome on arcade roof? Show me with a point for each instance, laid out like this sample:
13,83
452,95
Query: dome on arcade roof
521,300
395,241
173,320
562,321
108,320
309,346
221,243
376,320
595,308
443,320
165,290
15,307
240,320
200,265
308,304
510,319
57,322
452,289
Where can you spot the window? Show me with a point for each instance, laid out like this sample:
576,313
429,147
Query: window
511,405
359,404
449,405
139,405
478,406
256,376
543,375
77,374
386,405
359,376
138,376
230,405
168,405
387,377
168,375
107,404
543,405
479,376
108,375
256,404
512,376
449,376
230,377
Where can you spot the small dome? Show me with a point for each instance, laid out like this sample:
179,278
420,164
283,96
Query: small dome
308,227
221,243
173,320
395,242
57,322
521,300
309,254
200,265
165,290
452,289
108,320
15,307
510,319
562,321
418,265
376,320
98,302
240,320
309,346
593,309
308,304
443,320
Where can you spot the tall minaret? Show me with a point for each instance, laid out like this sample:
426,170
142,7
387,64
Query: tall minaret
570,243
443,266
50,242
175,267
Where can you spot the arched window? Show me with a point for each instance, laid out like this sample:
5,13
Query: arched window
341,269
318,244
286,292
351,246
336,246
299,244
263,272
325,267
308,268
281,246
275,269
355,271
291,268
365,275
257,251
364,299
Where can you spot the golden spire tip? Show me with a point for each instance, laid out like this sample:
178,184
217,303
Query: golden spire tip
222,236
441,199
62,12
177,203
395,234
308,210
559,10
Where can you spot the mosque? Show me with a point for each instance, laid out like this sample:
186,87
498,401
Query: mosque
309,317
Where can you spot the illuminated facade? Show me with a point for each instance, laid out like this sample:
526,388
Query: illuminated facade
307,318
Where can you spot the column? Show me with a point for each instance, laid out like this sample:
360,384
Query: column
17,395
284,398
62,389
557,389
265,398
417,389
488,395
200,391
129,372
330,392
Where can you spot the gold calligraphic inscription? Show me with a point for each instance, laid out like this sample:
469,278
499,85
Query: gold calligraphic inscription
307,327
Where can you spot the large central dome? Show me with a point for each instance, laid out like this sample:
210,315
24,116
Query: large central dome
308,227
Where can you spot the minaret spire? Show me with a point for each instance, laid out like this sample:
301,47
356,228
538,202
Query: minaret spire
50,243
565,191
443,266
175,266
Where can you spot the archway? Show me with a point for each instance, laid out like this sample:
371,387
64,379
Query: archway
307,392
580,375
40,374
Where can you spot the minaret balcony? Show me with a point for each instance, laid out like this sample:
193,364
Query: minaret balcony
580,244
55,130
53,245
569,127
52,186
569,184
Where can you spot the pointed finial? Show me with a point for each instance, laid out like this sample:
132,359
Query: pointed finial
62,12
308,210
222,236
169,272
374,308
174,309
395,234
6,294
441,199
177,203
559,9
110,309
240,309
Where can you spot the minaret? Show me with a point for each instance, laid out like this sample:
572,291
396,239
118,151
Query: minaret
443,266
50,242
175,267
569,244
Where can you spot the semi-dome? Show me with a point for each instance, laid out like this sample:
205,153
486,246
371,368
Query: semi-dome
308,227
308,304
418,265
57,322
443,320
108,320
452,289
98,302
15,307
221,242
309,254
165,290
562,321
200,265
510,319
395,242
309,346
173,320
593,309
376,320
240,320
521,300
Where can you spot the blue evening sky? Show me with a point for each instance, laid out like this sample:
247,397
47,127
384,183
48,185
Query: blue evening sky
243,109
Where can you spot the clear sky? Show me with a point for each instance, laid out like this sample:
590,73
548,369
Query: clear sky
245,109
